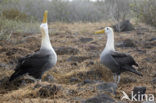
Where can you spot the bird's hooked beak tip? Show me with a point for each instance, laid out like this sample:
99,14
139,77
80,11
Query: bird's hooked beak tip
45,16
100,32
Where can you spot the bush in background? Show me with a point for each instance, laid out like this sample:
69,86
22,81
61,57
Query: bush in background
14,14
72,11
7,27
145,10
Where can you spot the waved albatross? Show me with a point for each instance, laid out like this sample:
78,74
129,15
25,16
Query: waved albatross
39,62
115,61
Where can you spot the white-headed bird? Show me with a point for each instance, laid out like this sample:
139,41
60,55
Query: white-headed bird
117,62
37,63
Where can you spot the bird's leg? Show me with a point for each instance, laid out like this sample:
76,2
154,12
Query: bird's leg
118,79
115,77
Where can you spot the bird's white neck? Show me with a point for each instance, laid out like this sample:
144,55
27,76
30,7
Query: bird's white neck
110,42
45,44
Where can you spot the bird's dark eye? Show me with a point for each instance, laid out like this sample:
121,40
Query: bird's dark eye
107,28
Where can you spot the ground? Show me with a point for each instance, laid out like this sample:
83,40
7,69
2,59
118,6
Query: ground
76,66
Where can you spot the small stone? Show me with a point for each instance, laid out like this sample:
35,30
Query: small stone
74,64
74,79
92,47
148,59
109,87
48,90
85,40
87,81
71,92
139,91
90,63
102,98
49,78
153,39
154,81
3,65
154,75
37,85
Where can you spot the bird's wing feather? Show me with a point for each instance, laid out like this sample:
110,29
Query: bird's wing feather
30,61
123,59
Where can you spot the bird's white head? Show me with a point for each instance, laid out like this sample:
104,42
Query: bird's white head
110,37
107,30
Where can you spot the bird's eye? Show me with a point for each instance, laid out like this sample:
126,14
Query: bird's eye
107,28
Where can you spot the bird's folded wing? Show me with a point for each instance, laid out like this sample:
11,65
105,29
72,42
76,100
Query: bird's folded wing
123,59
34,60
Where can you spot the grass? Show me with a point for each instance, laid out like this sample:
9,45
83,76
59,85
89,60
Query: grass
9,26
63,34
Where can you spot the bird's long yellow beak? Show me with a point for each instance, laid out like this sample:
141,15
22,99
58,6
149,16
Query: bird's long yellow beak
45,16
100,32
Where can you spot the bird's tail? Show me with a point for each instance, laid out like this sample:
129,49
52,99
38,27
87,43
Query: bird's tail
133,70
15,75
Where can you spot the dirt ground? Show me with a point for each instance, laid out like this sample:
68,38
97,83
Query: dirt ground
70,74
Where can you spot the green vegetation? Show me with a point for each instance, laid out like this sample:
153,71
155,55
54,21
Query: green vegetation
145,11
24,16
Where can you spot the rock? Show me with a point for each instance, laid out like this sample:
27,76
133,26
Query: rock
71,92
87,81
154,75
77,59
48,90
49,78
139,91
3,65
74,79
66,50
109,87
141,51
74,64
102,98
92,47
149,44
123,26
120,44
148,59
126,80
153,39
85,40
90,63
38,85
126,43
154,81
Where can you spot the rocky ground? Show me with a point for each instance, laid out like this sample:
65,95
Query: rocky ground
78,75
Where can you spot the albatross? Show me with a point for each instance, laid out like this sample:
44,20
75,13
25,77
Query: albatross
117,62
37,63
